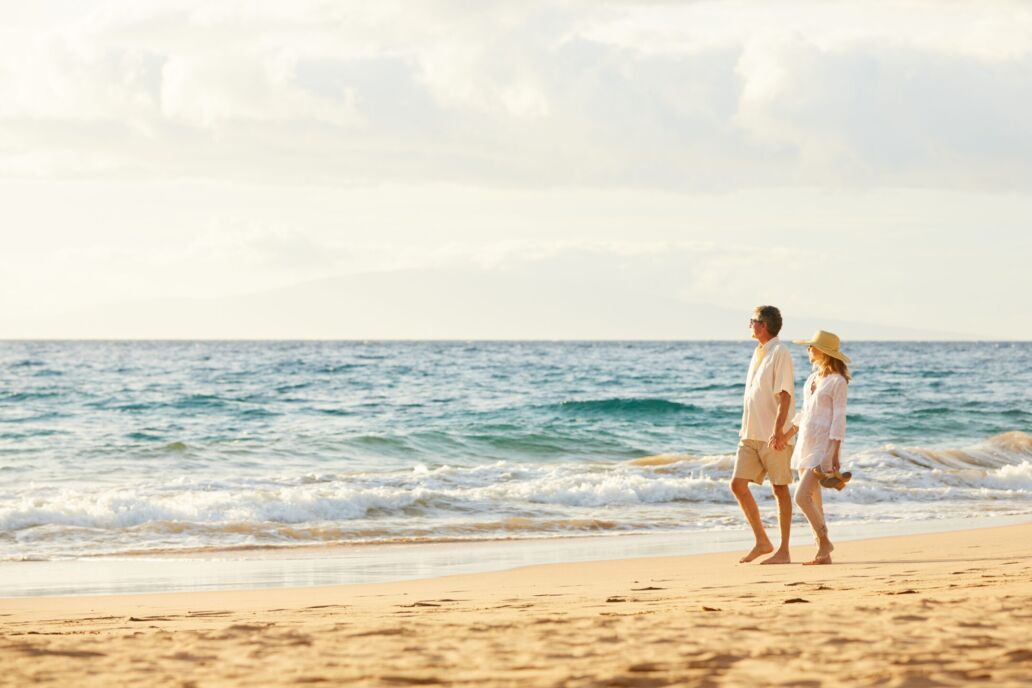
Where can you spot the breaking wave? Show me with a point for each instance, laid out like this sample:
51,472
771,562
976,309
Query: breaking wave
499,500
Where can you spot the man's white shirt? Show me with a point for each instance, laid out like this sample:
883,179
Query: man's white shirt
770,373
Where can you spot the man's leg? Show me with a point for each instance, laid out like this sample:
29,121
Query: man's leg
777,464
784,499
740,488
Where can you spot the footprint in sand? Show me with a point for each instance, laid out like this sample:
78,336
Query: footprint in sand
248,628
381,631
411,680
646,667
713,660
47,652
843,641
187,657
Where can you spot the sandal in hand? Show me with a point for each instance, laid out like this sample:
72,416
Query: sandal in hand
836,479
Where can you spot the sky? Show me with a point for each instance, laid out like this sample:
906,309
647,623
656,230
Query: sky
532,170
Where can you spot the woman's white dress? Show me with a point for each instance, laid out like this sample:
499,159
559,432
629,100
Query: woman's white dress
821,419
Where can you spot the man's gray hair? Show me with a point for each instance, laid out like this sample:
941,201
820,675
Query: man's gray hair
772,316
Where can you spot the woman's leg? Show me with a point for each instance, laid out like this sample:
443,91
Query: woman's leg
808,497
824,546
818,500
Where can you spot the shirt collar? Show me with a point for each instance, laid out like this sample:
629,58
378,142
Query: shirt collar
770,343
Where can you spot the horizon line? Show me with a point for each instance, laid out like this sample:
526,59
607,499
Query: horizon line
462,340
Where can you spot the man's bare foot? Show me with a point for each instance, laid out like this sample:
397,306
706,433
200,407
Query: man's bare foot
819,560
757,551
780,557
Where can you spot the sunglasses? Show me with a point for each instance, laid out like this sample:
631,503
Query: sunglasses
754,321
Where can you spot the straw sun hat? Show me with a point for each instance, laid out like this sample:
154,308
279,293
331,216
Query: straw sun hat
826,342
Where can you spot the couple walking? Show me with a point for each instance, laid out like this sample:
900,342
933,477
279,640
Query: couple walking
769,430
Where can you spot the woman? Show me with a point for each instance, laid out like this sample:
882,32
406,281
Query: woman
821,425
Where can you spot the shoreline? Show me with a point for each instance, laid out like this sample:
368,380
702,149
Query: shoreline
315,566
943,608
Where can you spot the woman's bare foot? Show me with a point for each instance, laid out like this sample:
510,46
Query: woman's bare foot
757,551
780,557
819,560
823,556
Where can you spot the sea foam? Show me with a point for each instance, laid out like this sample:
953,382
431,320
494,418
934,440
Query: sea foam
500,499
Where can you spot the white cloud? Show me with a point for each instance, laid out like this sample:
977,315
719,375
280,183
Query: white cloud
251,145
694,96
209,91
992,31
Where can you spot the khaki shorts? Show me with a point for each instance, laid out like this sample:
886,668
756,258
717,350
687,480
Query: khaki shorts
756,460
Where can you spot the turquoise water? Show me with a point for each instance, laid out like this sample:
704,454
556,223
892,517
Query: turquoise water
116,448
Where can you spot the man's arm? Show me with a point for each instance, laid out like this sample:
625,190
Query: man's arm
779,439
784,382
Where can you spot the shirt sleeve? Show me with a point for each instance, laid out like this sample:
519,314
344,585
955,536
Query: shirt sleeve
838,410
784,376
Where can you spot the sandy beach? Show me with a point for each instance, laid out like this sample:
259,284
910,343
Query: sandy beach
925,610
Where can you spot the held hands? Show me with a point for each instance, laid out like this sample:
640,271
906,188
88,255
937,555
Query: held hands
779,440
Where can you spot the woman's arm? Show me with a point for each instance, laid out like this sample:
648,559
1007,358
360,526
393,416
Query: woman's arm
834,446
837,433
838,410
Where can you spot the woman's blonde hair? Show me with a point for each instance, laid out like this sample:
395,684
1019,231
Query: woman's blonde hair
830,364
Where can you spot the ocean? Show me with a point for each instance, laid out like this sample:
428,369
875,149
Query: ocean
122,451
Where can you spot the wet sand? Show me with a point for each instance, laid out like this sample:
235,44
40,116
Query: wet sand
922,610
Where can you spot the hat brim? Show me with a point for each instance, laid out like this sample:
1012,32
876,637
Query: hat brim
834,353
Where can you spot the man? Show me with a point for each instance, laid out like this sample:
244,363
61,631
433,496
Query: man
763,450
